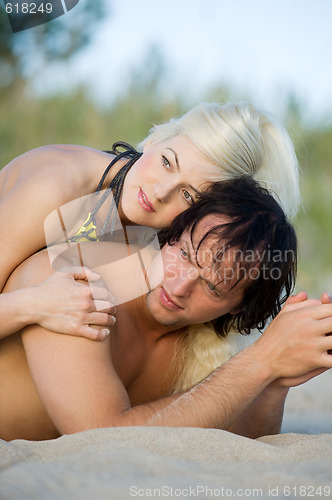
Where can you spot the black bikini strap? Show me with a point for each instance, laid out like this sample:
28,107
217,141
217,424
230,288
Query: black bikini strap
116,185
129,152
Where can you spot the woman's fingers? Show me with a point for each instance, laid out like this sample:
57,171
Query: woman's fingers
82,308
101,319
104,306
80,273
100,292
91,333
103,299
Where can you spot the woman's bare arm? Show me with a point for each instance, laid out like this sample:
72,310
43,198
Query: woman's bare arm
31,187
60,304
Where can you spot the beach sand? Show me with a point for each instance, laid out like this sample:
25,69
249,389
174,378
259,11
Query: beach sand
155,462
309,407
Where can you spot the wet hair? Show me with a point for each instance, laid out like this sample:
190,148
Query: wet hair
240,140
257,229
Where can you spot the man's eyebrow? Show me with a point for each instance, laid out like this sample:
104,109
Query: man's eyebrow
197,193
190,251
176,158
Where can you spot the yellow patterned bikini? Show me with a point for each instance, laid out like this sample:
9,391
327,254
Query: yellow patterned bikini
88,231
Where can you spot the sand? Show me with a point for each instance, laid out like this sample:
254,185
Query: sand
144,462
156,462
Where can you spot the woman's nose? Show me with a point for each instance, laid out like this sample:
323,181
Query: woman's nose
164,190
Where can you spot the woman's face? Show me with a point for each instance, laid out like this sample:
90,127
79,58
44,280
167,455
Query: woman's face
164,182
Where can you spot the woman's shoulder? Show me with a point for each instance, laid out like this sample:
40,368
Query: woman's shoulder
65,150
56,156
71,169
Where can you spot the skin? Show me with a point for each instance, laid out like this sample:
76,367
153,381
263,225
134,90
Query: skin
179,171
35,184
126,379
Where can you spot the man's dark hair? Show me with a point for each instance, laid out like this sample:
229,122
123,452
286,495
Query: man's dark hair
257,226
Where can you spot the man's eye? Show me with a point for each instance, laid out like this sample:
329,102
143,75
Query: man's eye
184,254
187,196
212,288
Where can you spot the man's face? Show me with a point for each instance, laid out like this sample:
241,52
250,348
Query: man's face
195,289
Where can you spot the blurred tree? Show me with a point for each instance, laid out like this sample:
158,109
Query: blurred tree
147,97
22,53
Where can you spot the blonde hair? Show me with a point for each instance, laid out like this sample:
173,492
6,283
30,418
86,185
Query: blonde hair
199,351
240,139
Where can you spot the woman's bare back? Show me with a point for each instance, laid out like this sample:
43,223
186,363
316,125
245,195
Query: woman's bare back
35,184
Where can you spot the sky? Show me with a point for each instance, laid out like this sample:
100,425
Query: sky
258,48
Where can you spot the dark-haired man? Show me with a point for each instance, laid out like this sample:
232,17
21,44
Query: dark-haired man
213,272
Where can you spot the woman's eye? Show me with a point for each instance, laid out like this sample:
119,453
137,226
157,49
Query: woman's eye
166,163
188,198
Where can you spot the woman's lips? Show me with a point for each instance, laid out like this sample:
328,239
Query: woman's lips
144,201
167,302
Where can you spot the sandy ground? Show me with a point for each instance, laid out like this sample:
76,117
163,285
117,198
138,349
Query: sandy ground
142,462
309,407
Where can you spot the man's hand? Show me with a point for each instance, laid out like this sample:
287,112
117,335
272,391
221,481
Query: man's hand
284,382
301,298
298,340
62,304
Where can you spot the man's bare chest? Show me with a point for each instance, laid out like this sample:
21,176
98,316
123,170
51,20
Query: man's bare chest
146,371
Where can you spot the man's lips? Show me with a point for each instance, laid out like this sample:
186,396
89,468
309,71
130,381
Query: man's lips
144,201
167,301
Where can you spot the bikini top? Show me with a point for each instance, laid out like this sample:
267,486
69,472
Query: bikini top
88,230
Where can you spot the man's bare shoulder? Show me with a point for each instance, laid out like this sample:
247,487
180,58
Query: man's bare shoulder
31,272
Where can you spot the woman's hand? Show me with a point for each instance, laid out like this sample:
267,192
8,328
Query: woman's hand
65,305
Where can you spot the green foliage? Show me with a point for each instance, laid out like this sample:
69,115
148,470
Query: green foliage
53,41
314,225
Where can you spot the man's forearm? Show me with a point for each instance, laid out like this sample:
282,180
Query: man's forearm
264,415
214,403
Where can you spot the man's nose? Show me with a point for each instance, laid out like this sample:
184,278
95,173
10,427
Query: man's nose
164,190
183,282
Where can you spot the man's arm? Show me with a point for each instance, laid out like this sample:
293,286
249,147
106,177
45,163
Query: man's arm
80,389
264,415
